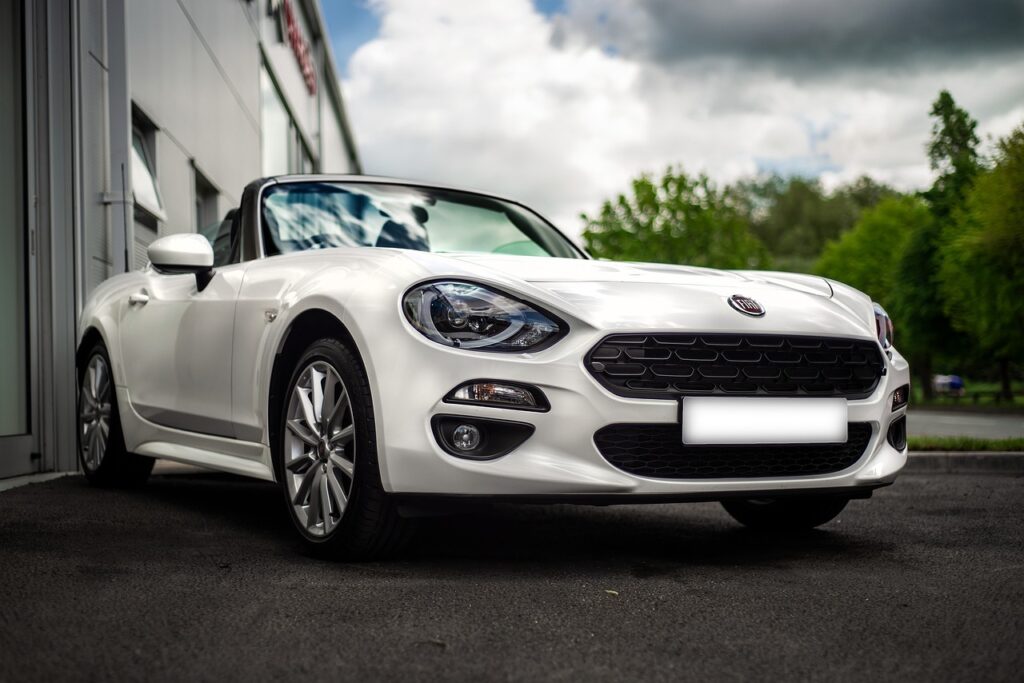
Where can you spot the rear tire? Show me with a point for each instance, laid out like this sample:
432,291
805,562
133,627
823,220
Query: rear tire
101,449
785,514
325,458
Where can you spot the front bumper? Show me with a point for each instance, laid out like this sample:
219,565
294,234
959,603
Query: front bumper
560,459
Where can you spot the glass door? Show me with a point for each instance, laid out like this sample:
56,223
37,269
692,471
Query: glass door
16,271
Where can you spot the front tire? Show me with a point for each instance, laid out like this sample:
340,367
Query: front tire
785,514
101,449
325,458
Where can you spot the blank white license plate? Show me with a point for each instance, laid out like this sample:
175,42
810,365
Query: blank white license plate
763,420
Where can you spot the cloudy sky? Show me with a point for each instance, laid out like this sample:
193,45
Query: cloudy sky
560,102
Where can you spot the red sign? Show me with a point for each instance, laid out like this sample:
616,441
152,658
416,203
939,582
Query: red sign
292,32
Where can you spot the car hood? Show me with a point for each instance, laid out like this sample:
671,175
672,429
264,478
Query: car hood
640,296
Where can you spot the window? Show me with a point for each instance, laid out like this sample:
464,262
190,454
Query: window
223,238
284,149
316,215
276,128
221,233
149,207
14,298
144,187
206,202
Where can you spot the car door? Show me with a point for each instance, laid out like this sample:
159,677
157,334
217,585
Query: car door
176,345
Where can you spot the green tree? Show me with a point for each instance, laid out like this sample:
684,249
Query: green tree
675,219
866,256
927,330
982,271
865,192
795,217
953,153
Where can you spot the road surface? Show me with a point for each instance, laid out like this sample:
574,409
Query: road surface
197,577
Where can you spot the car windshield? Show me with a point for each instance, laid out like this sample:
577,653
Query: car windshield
301,216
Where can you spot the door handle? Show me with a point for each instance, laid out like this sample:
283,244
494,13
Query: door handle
138,299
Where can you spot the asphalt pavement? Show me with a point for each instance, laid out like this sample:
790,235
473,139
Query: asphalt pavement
197,577
963,423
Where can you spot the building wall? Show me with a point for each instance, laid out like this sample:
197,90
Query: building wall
94,172
187,71
334,152
193,69
38,68
193,72
287,72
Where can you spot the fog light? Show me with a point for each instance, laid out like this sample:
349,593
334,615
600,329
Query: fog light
466,437
478,438
901,397
499,395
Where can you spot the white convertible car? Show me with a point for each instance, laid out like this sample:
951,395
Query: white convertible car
381,348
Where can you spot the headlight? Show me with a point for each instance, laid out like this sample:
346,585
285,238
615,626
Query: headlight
469,316
883,326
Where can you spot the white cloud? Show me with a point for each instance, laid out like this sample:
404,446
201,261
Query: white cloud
492,94
472,93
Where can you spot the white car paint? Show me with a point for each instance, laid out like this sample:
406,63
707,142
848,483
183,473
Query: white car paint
192,368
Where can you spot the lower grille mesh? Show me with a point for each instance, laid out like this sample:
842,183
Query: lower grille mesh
657,451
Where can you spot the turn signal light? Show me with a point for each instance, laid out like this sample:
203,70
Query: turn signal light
901,397
499,395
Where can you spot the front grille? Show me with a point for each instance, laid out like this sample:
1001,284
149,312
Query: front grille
668,365
657,451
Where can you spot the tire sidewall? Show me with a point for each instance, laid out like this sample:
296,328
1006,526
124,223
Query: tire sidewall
115,437
352,375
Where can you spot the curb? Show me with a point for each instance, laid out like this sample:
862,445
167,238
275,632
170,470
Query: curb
15,482
965,462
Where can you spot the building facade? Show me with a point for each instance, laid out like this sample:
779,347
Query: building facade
122,121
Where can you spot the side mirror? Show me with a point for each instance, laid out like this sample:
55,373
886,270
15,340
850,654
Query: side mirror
183,253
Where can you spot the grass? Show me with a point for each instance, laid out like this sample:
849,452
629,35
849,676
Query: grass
985,401
963,443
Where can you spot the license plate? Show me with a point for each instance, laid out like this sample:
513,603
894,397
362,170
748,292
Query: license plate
762,420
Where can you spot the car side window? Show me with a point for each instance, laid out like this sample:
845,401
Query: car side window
223,238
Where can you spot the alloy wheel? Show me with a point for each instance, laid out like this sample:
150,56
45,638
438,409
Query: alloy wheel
94,412
319,448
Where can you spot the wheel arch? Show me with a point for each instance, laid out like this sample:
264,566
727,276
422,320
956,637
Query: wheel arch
90,336
100,320
307,327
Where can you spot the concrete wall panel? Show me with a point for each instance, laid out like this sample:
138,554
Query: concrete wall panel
177,183
95,181
197,77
